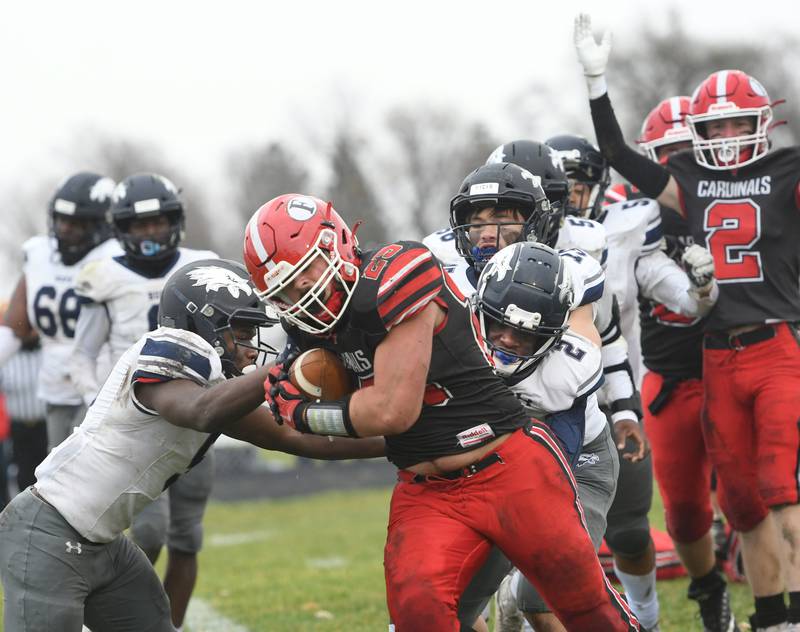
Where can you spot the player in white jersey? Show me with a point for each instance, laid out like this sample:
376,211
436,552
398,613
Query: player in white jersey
122,297
45,300
165,402
549,354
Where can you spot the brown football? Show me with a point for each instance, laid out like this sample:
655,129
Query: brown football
320,374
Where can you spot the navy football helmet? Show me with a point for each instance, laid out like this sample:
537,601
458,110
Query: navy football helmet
523,303
209,297
516,209
78,215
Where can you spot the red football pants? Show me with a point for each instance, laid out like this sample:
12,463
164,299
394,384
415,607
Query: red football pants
680,460
440,533
750,426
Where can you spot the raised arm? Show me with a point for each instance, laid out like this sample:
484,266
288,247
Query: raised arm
650,177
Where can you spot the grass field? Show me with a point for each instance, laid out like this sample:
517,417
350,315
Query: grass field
315,564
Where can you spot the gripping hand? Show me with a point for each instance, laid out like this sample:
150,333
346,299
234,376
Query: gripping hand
284,400
699,265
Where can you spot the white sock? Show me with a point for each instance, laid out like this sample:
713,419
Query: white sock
391,627
640,591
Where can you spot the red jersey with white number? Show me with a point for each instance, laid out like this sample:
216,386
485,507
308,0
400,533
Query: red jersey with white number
749,220
465,405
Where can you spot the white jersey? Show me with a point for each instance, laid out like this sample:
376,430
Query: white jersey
633,229
591,237
565,381
585,276
53,308
119,459
131,299
442,244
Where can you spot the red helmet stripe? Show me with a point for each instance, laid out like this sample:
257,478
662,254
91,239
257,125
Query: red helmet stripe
675,111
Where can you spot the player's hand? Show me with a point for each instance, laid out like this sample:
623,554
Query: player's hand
699,265
592,56
630,429
283,398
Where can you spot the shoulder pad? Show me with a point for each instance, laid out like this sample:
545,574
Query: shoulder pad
585,275
398,280
176,354
92,280
442,244
35,245
585,234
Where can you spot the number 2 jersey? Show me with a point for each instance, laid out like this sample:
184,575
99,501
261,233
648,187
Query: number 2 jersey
465,404
749,220
53,310
123,454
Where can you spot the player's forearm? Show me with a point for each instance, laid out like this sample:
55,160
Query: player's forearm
676,292
231,400
260,429
650,177
378,412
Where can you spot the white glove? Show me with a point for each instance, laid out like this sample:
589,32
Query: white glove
592,56
699,265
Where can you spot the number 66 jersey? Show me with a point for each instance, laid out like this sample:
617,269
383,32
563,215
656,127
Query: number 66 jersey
749,220
53,309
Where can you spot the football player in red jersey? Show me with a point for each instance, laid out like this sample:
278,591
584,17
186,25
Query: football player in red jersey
473,469
672,391
741,199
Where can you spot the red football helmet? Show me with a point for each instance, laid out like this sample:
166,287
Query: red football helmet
283,238
665,125
729,94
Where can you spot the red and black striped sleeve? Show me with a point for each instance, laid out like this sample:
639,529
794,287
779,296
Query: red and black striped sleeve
411,280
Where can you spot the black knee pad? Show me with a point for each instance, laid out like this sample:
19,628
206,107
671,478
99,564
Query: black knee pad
629,543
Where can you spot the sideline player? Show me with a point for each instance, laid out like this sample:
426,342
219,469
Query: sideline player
450,423
122,295
45,300
164,404
741,199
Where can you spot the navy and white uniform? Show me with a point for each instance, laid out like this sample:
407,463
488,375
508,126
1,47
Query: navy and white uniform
91,487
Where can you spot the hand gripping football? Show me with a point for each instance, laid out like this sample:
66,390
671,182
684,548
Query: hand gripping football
320,374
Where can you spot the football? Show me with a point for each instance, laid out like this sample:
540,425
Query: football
320,374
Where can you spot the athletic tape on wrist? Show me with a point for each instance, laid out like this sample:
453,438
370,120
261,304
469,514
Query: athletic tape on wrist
330,418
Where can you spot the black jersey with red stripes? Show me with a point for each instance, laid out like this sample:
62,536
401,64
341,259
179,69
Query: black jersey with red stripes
465,403
748,218
672,344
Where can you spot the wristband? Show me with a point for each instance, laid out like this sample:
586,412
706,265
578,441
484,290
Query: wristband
597,85
328,418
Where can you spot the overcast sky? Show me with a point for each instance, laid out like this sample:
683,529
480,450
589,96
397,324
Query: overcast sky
201,79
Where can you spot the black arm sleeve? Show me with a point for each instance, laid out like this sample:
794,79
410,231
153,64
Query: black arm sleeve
650,177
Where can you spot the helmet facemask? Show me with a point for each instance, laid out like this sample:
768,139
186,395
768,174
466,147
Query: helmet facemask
321,306
538,341
150,249
731,152
539,225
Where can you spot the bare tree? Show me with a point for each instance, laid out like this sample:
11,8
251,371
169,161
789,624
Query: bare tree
661,63
119,158
350,189
436,150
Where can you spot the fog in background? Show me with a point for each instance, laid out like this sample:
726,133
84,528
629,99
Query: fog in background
384,111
